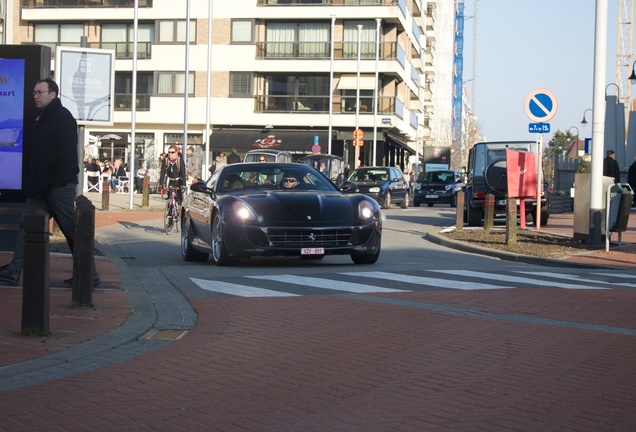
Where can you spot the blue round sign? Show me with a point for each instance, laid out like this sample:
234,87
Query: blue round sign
541,105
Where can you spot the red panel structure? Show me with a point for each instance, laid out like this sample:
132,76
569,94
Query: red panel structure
521,173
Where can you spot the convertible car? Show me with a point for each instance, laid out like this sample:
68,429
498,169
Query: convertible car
277,209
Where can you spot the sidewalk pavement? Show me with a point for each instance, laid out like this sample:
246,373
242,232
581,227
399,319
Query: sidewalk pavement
71,326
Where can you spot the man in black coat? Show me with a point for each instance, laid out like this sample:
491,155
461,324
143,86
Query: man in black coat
631,178
611,168
51,173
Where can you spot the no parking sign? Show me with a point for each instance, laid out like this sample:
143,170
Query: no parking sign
541,105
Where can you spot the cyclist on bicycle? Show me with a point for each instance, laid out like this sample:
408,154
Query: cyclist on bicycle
173,172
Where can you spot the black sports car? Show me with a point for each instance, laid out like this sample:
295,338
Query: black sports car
277,209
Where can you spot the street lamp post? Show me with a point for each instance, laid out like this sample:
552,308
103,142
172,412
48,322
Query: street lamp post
584,122
577,139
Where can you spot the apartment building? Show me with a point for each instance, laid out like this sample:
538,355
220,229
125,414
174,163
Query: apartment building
283,73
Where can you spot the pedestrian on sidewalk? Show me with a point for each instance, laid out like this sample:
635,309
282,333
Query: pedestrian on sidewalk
631,178
611,168
51,168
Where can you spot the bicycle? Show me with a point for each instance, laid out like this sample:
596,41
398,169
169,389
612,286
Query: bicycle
173,210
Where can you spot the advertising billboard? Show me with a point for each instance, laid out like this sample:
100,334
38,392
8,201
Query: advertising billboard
11,122
87,80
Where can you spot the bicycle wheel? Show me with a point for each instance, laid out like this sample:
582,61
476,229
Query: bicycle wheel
168,217
177,224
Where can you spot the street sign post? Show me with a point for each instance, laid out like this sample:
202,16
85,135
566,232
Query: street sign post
541,106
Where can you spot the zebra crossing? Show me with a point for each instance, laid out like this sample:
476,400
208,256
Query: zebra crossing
289,285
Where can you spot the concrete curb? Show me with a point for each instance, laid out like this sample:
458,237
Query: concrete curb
508,256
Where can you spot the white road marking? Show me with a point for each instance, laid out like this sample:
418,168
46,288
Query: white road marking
434,282
328,284
238,290
517,279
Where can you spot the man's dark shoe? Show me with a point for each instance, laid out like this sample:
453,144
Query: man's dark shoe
7,277
96,281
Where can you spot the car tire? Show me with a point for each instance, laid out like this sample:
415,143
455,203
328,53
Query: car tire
187,251
453,202
405,202
429,204
386,204
474,216
219,252
365,258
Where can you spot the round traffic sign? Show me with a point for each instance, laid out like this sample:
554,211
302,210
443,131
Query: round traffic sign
541,105
358,134
315,148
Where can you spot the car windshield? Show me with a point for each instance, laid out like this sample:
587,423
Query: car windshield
369,175
271,176
438,177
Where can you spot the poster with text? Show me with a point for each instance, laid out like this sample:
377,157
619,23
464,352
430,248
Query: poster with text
11,123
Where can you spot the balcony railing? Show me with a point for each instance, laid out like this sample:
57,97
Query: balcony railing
123,102
124,50
53,45
327,2
321,50
320,104
32,4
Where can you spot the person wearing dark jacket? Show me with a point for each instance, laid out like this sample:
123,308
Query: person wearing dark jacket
631,178
611,168
51,173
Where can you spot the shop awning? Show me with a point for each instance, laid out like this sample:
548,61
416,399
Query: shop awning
400,141
293,141
350,82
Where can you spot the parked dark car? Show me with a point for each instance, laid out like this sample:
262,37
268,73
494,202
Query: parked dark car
438,187
486,174
386,185
277,209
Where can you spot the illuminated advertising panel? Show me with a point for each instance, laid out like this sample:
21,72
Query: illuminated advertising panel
11,122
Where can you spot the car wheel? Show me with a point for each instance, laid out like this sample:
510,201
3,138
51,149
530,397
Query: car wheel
405,202
187,251
474,216
453,202
219,252
364,258
387,200
429,204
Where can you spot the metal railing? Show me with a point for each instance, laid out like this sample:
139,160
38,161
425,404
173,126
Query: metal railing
124,50
123,102
320,104
33,4
321,50
327,2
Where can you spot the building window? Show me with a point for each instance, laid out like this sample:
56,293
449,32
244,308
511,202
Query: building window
241,84
53,35
367,38
119,37
172,83
298,39
1,31
175,31
296,93
242,31
123,90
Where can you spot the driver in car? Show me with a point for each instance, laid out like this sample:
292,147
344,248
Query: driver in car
289,182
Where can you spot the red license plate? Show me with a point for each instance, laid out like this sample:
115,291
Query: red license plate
312,251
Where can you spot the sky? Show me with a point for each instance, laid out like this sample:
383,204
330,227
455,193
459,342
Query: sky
526,45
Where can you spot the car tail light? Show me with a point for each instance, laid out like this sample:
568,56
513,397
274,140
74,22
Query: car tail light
479,195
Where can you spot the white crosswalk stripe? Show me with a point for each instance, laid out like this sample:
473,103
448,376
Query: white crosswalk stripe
328,284
429,281
288,285
518,279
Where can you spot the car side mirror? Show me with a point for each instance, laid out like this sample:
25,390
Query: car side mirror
348,187
200,187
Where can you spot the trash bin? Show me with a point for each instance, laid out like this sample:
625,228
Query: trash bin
620,200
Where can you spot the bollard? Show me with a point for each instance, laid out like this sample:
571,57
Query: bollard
511,222
83,253
36,284
105,195
145,192
459,215
489,213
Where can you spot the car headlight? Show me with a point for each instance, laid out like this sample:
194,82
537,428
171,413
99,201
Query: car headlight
243,211
374,189
365,210
449,187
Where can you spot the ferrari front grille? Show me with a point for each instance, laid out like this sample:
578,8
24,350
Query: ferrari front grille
309,237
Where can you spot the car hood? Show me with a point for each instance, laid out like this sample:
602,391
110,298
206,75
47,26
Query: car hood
302,207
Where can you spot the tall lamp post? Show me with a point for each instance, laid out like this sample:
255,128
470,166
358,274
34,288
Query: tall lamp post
584,122
577,139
